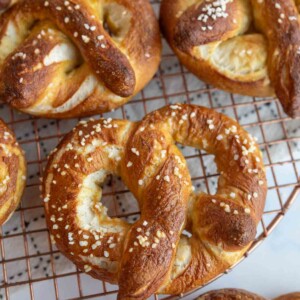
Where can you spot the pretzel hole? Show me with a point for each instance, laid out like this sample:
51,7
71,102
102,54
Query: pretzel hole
116,21
75,67
103,201
65,52
202,167
211,174
118,200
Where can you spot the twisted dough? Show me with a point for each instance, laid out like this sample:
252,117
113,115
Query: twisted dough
242,46
151,256
58,60
12,173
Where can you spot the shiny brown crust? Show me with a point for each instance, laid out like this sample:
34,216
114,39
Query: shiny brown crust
230,294
151,256
12,173
121,64
291,296
280,35
283,51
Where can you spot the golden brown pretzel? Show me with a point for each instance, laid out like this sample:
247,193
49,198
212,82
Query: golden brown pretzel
291,296
151,256
237,294
12,173
225,45
58,60
230,294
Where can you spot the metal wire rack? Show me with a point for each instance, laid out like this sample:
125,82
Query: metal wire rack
30,265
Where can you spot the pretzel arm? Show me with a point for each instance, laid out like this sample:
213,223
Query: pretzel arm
165,196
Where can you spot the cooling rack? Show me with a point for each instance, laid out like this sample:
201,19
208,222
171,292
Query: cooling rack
32,268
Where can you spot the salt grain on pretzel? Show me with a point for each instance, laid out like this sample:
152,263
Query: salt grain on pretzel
248,47
12,173
152,255
58,59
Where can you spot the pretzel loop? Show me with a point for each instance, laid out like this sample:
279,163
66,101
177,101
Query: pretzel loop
152,255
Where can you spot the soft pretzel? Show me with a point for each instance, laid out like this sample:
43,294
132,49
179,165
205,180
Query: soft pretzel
77,57
249,47
12,173
151,255
291,296
230,294
237,294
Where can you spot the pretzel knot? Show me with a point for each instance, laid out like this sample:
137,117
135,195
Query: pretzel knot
12,173
152,255
72,58
249,47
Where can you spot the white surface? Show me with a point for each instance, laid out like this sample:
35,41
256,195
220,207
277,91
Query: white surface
274,268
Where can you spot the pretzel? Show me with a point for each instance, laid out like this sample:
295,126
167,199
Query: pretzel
152,255
230,294
291,296
58,59
237,294
223,44
12,173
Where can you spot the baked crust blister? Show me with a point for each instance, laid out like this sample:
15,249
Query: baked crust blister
12,173
242,46
57,59
151,256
